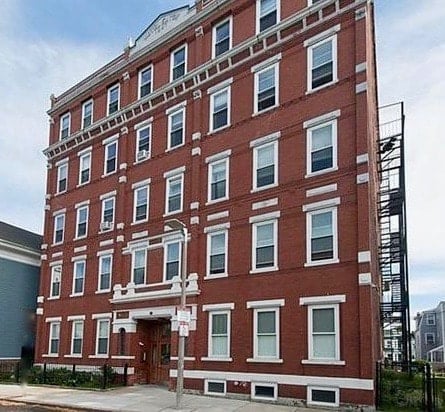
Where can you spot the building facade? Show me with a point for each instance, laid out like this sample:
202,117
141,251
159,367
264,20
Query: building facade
253,123
19,284
429,334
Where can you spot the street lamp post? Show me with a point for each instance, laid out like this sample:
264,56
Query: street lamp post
175,224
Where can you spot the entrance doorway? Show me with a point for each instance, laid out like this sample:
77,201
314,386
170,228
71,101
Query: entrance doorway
155,359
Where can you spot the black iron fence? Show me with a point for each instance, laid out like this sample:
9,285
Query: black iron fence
80,376
409,387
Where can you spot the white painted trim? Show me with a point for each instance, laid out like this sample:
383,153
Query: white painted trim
176,107
364,279
206,386
217,228
108,315
82,152
325,118
59,212
322,36
219,215
220,86
321,190
265,203
218,156
141,183
226,161
361,67
109,194
210,356
150,66
276,68
53,319
79,257
362,87
316,300
110,139
264,217
258,16
310,402
174,172
83,203
323,362
271,303
321,205
273,385
363,158
218,306
265,139
364,256
109,90
266,63
105,252
20,256
172,59
363,178
75,317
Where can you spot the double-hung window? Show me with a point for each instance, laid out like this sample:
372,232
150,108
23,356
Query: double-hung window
324,332
139,266
172,258
102,336
218,180
145,81
222,37
429,338
87,113
217,253
105,270
108,206
56,280
110,163
62,176
265,162
77,338
59,228
79,277
143,143
178,62
322,148
268,14
322,62
54,338
84,167
220,109
322,236
140,212
65,125
82,222
265,253
219,334
266,86
174,192
113,99
176,127
430,319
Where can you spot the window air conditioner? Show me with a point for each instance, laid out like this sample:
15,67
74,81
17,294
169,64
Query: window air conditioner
142,154
106,226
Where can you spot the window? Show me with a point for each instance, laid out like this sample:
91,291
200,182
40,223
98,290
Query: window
140,213
215,387
264,254
430,319
178,63
145,81
266,88
219,334
266,332
323,396
143,143
87,114
59,228
322,63
82,222
77,338
113,99
110,165
122,339
268,14
322,148
322,233
107,213
218,186
84,168
54,338
174,194
217,253
105,268
139,266
220,109
103,331
430,338
265,161
267,391
324,337
65,125
56,279
222,37
79,277
176,121
172,256
62,177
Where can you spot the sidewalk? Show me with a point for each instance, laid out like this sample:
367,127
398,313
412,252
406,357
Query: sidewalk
132,399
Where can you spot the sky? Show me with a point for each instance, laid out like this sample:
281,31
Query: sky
47,46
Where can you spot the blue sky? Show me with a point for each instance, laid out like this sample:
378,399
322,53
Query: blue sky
47,46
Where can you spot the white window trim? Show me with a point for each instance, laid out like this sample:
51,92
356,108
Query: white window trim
81,157
429,316
114,141
226,248
172,54
258,13
164,278
99,320
255,188
74,321
57,216
150,66
104,200
167,190
83,112
135,191
53,269
51,323
101,257
206,387
426,338
215,27
75,264
209,339
68,115
225,160
118,86
311,44
169,128
254,245
268,384
138,133
133,259
256,357
78,209
227,90
323,388
257,73
59,168
335,258
334,139
311,357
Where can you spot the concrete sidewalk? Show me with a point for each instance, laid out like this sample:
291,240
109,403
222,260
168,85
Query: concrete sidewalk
132,399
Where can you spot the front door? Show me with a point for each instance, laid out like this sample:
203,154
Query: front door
159,352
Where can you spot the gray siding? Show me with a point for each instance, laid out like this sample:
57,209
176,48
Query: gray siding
18,294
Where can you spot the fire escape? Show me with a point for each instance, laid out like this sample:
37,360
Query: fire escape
393,254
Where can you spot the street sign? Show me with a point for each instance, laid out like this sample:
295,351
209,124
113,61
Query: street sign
184,329
183,316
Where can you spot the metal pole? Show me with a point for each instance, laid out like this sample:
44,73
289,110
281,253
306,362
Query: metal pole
181,339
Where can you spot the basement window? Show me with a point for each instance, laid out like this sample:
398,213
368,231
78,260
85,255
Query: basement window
215,387
323,396
266,391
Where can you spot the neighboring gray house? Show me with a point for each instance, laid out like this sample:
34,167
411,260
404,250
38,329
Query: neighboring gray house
429,334
19,282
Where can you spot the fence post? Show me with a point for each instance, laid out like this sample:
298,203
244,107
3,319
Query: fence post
104,380
429,391
126,374
73,376
44,373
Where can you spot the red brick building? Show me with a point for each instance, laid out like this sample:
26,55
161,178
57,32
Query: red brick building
253,122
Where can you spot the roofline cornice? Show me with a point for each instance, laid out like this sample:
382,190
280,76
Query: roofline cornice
19,253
